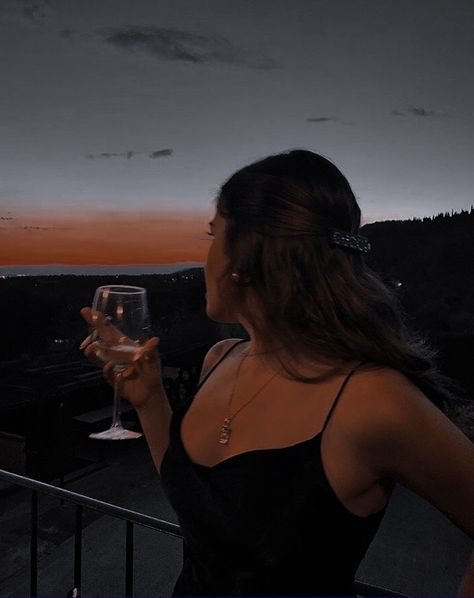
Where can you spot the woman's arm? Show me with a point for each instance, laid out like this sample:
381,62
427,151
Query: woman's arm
404,437
155,417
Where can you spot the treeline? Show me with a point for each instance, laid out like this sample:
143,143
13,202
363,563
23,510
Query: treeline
433,260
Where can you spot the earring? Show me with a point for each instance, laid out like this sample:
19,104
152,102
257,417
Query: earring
235,276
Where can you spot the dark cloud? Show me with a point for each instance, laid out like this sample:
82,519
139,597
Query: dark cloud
419,111
36,11
129,154
7,218
321,119
176,44
31,227
107,155
35,227
159,153
416,111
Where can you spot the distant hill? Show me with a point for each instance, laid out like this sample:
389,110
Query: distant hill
433,259
96,270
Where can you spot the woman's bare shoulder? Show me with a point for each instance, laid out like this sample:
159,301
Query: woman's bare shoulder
217,351
384,397
385,381
222,346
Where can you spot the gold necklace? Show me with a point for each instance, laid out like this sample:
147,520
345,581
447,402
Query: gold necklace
226,430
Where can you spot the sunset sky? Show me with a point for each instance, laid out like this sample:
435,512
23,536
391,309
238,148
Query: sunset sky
120,119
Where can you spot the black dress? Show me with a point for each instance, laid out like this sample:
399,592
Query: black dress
264,522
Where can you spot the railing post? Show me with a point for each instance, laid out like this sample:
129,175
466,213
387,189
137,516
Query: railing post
34,544
61,445
78,551
129,560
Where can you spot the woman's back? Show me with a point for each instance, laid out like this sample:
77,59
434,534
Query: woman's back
260,515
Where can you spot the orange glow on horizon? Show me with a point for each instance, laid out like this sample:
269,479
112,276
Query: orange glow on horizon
103,238
46,235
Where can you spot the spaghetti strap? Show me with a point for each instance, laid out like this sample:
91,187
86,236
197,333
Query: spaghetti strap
218,362
339,394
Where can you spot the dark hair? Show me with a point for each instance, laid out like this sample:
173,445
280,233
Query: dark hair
317,302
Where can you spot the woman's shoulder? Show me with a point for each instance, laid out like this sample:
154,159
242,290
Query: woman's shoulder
221,347
385,381
217,351
383,397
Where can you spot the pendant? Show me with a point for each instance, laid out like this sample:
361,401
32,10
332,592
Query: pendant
225,431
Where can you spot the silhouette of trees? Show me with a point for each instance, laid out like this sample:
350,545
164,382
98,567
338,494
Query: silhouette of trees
433,258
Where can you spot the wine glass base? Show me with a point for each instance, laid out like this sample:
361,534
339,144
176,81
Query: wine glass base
115,433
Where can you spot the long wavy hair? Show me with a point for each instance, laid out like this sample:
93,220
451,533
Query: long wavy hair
317,302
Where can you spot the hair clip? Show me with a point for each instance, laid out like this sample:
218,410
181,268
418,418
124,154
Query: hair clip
357,243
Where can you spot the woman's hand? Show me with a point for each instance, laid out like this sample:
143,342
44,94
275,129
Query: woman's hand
140,380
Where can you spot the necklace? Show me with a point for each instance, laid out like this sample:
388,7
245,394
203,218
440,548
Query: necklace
226,430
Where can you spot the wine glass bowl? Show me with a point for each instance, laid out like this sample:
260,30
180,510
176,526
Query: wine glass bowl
120,327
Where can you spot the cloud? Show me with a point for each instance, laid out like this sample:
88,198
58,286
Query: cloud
7,218
35,227
159,153
104,155
43,14
325,119
129,154
180,45
321,119
35,10
417,111
31,11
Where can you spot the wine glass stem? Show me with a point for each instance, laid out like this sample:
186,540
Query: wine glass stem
116,422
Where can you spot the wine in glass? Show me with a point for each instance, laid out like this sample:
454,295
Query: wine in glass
120,326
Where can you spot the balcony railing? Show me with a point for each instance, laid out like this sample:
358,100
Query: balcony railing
131,519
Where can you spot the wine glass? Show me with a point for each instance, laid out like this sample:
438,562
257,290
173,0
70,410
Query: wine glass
120,326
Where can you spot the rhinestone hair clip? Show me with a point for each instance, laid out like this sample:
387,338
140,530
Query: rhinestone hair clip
357,243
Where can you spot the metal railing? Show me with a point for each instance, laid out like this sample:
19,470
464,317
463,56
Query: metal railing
131,519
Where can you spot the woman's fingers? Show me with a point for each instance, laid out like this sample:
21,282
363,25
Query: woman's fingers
151,343
148,354
87,341
91,352
129,372
101,324
108,371
110,374
86,313
146,362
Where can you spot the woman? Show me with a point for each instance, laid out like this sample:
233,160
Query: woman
277,491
